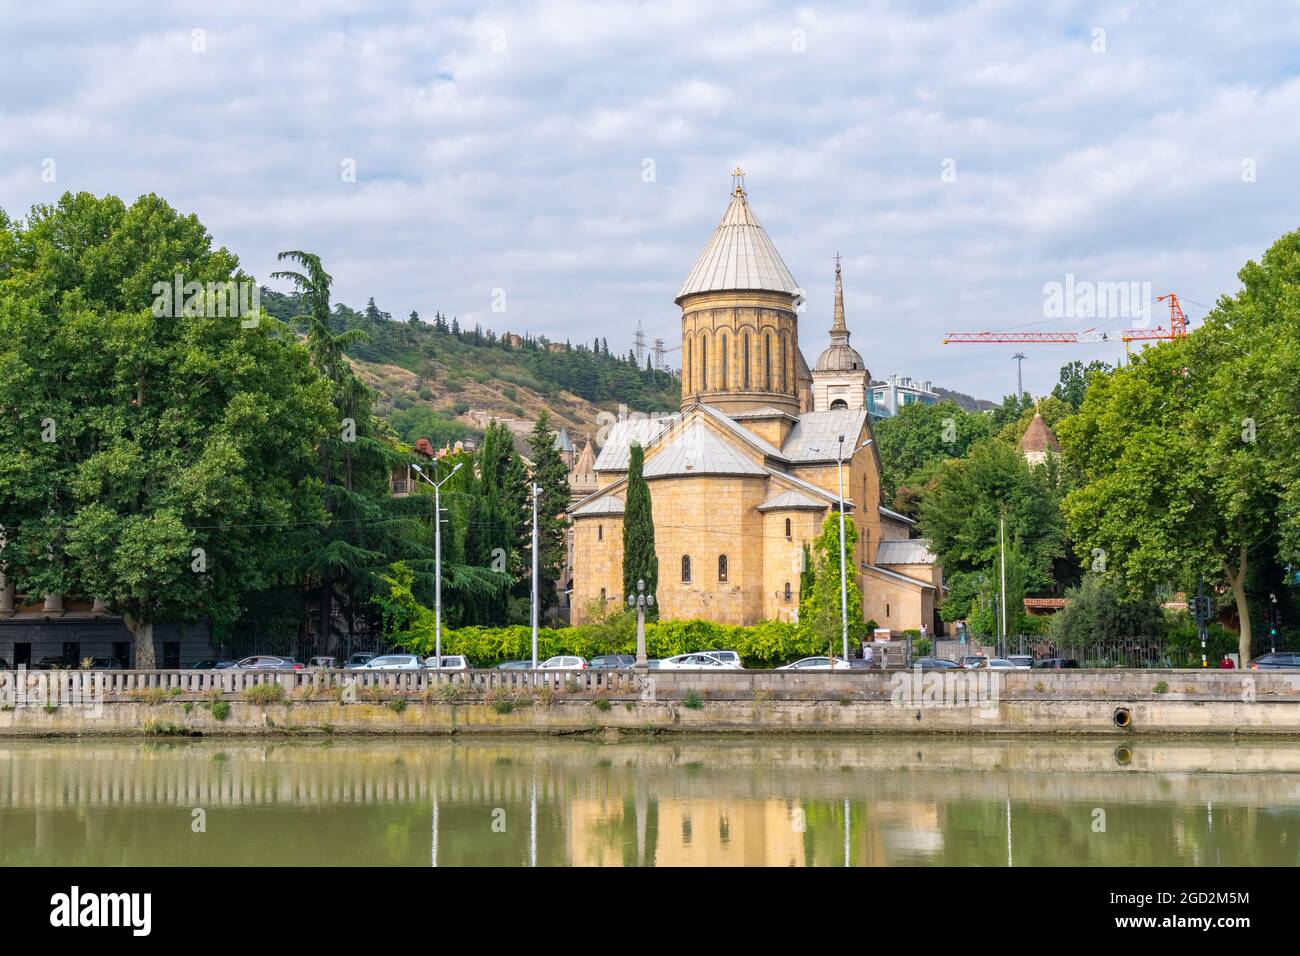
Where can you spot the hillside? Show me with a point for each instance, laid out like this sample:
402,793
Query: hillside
966,402
436,380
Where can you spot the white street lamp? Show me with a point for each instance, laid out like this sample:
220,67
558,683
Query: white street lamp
437,558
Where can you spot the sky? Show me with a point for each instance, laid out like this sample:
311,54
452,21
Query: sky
556,167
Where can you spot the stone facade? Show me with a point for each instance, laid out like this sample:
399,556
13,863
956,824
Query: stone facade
744,475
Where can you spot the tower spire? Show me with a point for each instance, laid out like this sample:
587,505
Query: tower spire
839,331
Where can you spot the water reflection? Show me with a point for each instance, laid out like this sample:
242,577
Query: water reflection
686,802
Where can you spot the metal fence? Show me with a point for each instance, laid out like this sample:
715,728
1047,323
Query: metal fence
1124,652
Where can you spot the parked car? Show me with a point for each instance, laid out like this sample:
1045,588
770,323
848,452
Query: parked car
563,662
4,664
936,664
360,659
211,665
696,661
1021,661
816,664
515,665
612,662
1275,660
727,657
452,662
393,662
653,664
993,663
329,663
265,662
1056,663
52,664
972,660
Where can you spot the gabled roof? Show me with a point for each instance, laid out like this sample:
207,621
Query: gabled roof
767,411
614,456
740,431
895,516
816,435
904,551
1038,437
897,578
739,255
814,490
608,505
698,450
792,501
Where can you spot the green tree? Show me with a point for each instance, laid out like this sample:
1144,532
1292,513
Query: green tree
822,613
551,474
922,436
639,560
1073,384
157,456
1189,454
807,582
1097,611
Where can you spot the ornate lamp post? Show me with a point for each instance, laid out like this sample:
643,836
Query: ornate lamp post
640,601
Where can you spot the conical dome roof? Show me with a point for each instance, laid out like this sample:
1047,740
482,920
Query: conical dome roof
739,256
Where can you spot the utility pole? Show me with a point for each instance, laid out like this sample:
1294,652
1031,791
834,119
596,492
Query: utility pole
1019,359
537,491
1002,548
437,558
844,575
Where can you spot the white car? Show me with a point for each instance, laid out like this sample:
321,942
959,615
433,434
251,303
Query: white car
696,661
393,662
452,662
816,664
727,657
563,662
994,663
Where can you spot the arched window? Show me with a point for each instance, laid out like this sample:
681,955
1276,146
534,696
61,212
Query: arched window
744,363
839,403
704,363
787,527
600,533
789,594
767,362
686,364
781,369
724,379
722,568
686,569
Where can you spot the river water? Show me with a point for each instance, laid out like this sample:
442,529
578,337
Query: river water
680,801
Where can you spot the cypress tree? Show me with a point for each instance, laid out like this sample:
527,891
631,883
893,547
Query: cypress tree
639,560
807,582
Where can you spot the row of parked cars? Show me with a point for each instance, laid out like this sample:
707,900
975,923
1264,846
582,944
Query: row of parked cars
1012,662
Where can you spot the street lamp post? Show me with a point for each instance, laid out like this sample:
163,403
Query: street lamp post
640,601
537,491
437,559
844,576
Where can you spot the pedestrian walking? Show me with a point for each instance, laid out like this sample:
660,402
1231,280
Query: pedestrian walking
867,655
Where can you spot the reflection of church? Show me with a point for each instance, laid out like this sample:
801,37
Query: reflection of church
746,472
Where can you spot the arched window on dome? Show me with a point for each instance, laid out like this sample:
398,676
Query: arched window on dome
704,363
744,362
782,372
767,362
724,379
687,377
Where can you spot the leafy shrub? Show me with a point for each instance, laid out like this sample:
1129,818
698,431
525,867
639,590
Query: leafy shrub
220,709
503,705
1161,687
396,705
600,703
693,701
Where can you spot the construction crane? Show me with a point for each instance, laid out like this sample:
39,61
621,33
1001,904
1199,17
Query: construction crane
1177,329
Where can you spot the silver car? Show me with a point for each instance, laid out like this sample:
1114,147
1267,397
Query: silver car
393,662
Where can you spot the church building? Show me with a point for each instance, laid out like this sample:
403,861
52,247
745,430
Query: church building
744,474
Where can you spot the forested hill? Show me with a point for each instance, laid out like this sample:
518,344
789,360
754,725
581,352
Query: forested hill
440,381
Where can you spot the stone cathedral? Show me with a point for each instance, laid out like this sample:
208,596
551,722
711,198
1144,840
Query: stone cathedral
746,472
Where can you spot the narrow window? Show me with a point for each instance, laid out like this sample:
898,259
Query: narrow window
767,362
722,567
723,379
602,596
744,363
600,533
686,365
787,527
704,363
789,594
686,569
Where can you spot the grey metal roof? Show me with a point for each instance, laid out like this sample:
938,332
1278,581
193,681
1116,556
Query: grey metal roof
608,505
816,435
767,411
792,500
808,486
905,551
697,450
562,442
614,454
895,576
740,255
895,516
743,433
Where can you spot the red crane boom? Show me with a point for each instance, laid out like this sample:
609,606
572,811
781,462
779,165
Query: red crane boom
1177,329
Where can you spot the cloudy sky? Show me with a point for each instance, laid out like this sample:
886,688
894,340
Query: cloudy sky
576,155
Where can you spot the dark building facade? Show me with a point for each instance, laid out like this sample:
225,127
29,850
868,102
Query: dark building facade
34,637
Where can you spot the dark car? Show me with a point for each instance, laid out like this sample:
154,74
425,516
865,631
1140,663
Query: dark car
612,661
1275,660
1055,663
936,664
52,664
514,666
265,662
211,665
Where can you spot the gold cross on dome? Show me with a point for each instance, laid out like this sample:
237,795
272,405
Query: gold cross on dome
738,180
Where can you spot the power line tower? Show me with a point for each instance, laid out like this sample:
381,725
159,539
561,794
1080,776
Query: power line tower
640,345
659,354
